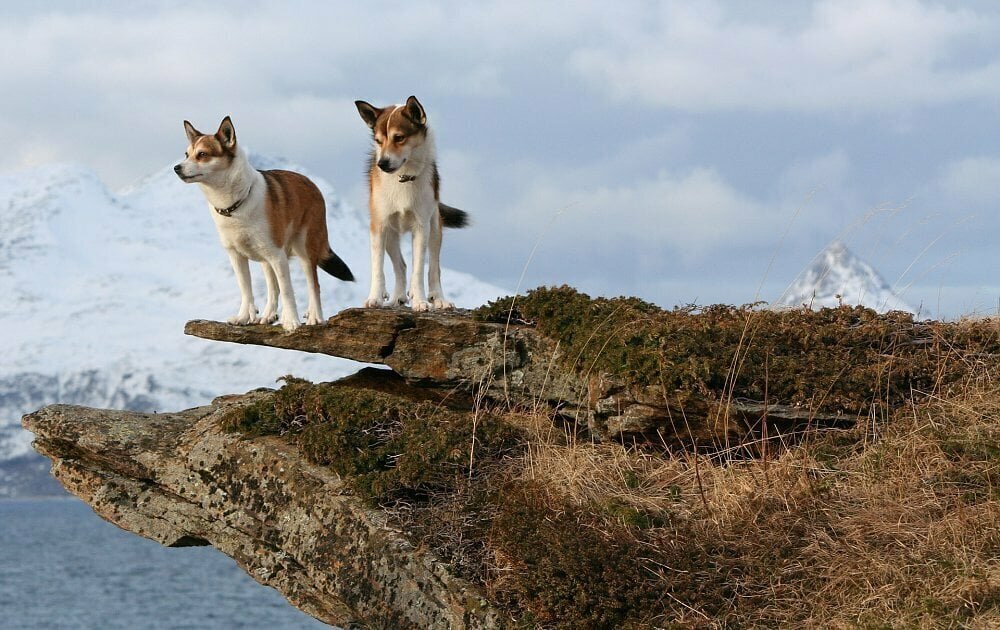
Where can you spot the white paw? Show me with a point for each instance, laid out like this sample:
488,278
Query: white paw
420,306
399,299
269,317
441,304
290,323
373,302
243,318
312,319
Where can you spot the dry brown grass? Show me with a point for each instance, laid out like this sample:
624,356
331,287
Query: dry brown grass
891,524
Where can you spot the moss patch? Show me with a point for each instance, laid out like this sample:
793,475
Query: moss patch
847,359
386,447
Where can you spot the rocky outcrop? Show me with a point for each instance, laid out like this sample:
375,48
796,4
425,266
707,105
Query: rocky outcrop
180,480
515,364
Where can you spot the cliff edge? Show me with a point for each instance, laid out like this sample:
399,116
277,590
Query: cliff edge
181,480
549,459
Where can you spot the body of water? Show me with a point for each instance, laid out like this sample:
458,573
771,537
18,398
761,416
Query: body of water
61,566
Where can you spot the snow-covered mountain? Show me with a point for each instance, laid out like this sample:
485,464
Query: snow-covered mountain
98,285
837,277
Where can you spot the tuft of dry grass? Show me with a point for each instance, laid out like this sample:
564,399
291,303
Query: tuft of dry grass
889,524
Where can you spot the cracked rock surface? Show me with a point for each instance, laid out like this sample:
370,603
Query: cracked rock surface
178,479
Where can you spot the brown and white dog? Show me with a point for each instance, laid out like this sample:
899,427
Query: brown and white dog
264,216
403,187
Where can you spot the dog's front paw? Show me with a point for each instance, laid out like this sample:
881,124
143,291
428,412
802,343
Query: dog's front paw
290,323
312,319
267,318
420,306
399,299
439,303
376,301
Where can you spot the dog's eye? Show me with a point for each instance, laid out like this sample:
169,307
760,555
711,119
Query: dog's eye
201,154
378,140
398,138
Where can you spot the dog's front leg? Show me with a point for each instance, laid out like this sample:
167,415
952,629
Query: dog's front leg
435,294
398,297
420,233
248,311
377,295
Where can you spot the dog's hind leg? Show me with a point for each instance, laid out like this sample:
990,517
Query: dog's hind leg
270,314
314,312
248,310
435,294
377,294
398,268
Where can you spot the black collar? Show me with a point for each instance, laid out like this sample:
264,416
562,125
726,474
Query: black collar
406,178
228,212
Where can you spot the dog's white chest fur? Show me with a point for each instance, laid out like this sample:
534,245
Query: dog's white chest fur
247,229
400,203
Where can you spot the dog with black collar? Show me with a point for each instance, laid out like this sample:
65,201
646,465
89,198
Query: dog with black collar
264,216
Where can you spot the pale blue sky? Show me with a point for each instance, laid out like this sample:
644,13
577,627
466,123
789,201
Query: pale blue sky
667,150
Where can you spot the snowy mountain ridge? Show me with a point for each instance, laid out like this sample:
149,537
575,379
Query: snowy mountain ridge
837,276
100,284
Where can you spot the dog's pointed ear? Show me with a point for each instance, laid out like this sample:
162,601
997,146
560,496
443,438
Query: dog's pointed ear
192,133
415,111
226,133
369,113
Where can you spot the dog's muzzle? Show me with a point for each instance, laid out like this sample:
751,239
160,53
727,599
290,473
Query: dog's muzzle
179,170
386,165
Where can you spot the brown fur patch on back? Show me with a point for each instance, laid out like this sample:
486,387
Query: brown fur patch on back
294,207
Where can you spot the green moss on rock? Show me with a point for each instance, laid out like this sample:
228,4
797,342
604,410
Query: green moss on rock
847,359
384,446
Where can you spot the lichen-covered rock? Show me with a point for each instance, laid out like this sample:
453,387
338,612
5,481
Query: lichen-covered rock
181,480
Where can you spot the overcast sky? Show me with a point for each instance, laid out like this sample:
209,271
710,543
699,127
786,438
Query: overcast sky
678,151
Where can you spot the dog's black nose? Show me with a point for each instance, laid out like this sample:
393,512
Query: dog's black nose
384,165
177,169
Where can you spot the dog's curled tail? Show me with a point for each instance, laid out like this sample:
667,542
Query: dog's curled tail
453,217
336,267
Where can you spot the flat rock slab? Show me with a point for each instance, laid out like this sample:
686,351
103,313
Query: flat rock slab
180,480
451,350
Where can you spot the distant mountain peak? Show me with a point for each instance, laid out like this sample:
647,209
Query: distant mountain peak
837,276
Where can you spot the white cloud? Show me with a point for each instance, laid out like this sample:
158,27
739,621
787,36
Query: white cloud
973,180
690,214
827,171
854,55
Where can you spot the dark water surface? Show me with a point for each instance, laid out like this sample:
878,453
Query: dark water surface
61,566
